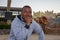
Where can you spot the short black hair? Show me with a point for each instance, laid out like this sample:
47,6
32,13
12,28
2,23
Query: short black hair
26,6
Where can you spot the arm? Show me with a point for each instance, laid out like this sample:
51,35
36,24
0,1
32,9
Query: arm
38,29
11,37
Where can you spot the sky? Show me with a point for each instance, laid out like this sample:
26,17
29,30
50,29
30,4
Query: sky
36,5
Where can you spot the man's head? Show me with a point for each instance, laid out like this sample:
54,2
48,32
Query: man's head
26,12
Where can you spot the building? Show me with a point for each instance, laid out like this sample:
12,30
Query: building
7,15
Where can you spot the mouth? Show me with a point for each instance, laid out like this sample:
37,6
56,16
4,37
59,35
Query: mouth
29,16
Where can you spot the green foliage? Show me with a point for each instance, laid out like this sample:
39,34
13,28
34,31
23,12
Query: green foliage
3,23
4,26
3,19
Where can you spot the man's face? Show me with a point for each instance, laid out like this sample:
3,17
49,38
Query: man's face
26,12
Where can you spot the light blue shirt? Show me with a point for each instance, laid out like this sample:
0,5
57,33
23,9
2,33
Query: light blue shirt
19,32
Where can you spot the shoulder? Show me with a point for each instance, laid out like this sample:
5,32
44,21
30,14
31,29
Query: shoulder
36,24
15,22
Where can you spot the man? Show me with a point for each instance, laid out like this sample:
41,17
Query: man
23,26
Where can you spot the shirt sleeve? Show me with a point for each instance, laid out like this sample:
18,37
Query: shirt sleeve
11,36
38,29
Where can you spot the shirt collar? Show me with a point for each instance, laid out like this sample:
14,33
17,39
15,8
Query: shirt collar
20,18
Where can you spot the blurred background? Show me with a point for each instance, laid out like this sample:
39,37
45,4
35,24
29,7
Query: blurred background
48,10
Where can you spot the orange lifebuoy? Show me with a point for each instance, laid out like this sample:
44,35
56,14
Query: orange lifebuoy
44,20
